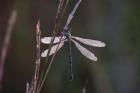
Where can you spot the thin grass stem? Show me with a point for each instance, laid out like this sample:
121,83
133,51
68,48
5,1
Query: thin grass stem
49,67
55,30
6,42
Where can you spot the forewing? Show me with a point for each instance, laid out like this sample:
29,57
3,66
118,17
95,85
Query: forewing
47,40
90,42
53,49
85,52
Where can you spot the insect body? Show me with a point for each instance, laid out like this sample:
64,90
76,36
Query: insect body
67,33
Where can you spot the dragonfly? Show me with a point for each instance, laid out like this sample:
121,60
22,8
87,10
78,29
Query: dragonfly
66,37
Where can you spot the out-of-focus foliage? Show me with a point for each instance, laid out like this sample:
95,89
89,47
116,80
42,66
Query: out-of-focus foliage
116,22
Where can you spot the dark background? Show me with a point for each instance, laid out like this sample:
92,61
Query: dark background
115,22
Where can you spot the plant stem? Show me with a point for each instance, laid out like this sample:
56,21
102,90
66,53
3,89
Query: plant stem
55,30
37,69
6,42
49,67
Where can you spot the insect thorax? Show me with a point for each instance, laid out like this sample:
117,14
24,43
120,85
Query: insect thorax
66,32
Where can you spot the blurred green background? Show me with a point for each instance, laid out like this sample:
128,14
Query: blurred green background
115,22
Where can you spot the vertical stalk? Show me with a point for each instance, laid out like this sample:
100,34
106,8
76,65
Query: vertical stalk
6,42
55,30
37,69
33,87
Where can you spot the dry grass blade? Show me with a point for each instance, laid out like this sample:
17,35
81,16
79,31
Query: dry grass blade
6,42
49,67
27,87
33,87
55,30
71,15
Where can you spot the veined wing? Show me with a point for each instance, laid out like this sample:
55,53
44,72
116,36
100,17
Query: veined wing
47,40
85,52
53,49
90,42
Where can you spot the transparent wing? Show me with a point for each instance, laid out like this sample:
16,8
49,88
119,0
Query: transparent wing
53,49
47,40
85,52
90,42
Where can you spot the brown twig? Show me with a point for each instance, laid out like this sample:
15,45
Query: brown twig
37,69
6,42
27,87
49,67
33,87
